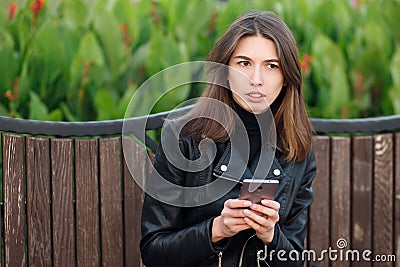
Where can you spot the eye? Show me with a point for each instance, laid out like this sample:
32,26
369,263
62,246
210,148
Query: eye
272,66
244,63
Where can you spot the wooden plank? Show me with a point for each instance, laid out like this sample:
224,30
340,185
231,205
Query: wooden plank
135,170
383,196
111,202
87,202
397,199
13,158
38,201
340,194
62,202
318,236
362,161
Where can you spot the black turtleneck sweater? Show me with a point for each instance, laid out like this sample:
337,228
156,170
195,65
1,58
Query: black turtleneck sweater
252,127
253,131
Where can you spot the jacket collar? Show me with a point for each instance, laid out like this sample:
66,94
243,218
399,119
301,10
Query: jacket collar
232,166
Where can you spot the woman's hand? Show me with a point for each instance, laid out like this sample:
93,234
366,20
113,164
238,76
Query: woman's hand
232,219
262,218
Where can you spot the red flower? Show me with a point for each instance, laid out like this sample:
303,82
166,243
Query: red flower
357,3
12,8
305,63
12,94
36,6
125,34
358,85
9,95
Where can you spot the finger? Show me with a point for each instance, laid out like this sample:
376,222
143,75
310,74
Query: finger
230,222
233,213
238,228
258,219
267,212
237,203
263,210
234,225
271,204
273,215
253,224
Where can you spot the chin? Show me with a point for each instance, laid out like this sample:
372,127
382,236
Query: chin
258,110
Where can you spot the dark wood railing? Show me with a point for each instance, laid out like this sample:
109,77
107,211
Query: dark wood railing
68,198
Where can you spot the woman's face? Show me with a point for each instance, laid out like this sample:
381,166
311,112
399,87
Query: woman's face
255,76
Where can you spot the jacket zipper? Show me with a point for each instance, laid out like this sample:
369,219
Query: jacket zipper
220,259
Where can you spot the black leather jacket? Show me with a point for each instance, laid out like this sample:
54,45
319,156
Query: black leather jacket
181,236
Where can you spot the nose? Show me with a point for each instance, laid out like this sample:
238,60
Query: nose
257,77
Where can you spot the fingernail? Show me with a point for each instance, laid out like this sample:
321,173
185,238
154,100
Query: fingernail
247,204
264,201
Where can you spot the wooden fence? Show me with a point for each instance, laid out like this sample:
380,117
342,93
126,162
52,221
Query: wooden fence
71,201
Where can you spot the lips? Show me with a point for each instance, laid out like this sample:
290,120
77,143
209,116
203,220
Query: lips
255,96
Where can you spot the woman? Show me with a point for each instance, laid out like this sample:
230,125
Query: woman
229,231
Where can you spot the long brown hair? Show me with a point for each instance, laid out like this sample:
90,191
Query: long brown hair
293,128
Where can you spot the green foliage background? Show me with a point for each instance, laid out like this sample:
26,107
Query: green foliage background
82,60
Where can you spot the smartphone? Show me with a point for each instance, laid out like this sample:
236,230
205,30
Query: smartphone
257,189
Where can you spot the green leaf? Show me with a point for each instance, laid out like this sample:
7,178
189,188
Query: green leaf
105,103
38,110
139,58
175,89
47,63
67,112
55,115
227,15
333,18
8,61
394,91
90,50
174,10
3,111
145,97
3,14
124,102
75,14
329,74
153,64
127,12
395,67
23,29
372,36
391,10
109,32
164,52
89,54
25,84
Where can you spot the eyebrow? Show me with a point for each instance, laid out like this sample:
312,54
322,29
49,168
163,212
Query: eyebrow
247,58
